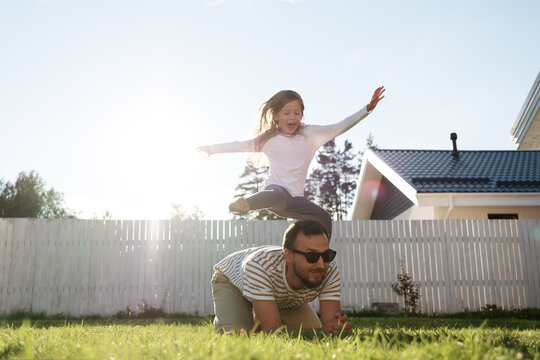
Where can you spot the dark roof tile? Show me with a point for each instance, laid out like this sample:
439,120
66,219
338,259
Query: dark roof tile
469,171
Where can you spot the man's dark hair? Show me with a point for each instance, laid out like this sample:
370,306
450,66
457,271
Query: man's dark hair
307,227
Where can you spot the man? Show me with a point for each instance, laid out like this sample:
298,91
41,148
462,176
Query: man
266,287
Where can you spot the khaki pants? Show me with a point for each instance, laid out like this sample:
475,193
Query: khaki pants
234,312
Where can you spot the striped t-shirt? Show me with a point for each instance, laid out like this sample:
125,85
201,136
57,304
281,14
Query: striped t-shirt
259,274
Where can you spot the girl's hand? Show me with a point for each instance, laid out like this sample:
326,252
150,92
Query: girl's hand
376,98
204,148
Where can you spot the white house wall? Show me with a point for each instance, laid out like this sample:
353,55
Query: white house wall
479,199
479,212
468,212
417,213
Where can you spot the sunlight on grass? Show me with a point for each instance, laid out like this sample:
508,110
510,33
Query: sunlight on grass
173,339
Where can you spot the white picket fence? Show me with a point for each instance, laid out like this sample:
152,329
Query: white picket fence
85,267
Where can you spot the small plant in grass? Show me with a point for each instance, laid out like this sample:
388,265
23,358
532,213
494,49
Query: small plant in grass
409,290
148,312
491,311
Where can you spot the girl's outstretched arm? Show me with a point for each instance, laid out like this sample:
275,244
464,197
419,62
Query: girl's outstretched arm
323,134
375,98
204,148
235,146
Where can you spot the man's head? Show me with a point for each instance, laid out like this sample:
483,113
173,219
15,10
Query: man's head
307,252
306,227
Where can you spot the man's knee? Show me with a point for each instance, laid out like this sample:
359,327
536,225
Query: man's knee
232,311
223,328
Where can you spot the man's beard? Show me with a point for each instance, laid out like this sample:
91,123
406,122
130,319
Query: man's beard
305,279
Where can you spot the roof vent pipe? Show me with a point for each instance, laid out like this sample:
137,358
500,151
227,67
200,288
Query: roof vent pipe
453,137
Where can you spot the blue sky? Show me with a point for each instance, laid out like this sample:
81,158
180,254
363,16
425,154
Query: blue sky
106,100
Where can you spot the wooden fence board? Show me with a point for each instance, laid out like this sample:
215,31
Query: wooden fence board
534,239
502,249
17,251
531,238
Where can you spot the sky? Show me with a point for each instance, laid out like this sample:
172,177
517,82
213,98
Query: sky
107,99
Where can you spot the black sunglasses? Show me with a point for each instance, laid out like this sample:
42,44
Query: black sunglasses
313,257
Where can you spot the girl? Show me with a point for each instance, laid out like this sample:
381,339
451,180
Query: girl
289,145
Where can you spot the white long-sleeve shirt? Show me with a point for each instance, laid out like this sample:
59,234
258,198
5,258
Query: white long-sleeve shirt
289,157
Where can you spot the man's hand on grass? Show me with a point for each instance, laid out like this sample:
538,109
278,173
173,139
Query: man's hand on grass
337,325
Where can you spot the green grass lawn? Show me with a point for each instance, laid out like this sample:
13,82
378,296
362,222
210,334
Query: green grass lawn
194,338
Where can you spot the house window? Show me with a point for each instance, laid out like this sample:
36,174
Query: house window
503,216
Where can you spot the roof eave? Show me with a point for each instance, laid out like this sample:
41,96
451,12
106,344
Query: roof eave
527,113
362,204
399,182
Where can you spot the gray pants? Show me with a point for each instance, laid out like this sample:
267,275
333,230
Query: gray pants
234,312
278,200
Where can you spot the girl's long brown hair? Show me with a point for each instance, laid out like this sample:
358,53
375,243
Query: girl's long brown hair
267,127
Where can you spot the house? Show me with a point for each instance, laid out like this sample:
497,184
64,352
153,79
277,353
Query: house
526,130
440,184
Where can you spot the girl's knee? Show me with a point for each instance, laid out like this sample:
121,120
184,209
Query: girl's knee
279,196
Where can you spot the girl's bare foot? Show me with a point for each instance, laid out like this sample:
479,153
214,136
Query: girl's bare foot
240,205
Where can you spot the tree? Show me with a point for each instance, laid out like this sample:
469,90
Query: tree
29,198
178,213
370,144
253,182
333,182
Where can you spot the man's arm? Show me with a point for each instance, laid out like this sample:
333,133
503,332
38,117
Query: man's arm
267,313
332,319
